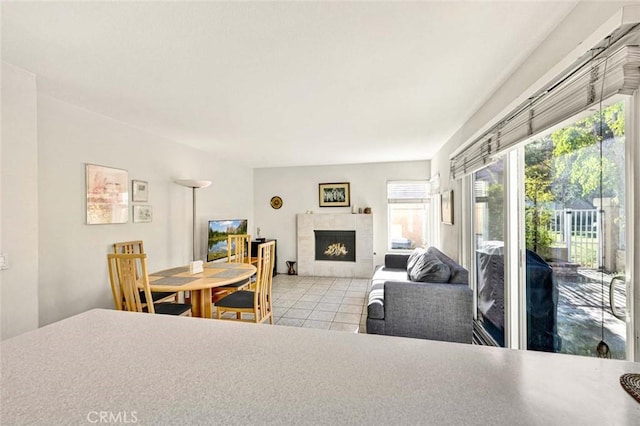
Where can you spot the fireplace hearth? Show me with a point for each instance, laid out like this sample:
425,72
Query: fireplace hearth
335,245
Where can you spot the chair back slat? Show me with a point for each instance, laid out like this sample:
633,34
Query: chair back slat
126,247
239,248
123,272
264,280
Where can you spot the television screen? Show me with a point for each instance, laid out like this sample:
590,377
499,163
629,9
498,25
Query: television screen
218,231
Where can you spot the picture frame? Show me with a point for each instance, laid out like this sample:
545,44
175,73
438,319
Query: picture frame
142,213
107,195
334,194
139,191
446,207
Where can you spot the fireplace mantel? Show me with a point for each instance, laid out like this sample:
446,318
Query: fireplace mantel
361,223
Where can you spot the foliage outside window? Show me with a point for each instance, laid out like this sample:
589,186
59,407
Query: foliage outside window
408,219
565,171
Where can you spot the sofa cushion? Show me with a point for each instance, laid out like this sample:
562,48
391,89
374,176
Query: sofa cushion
382,274
459,275
425,267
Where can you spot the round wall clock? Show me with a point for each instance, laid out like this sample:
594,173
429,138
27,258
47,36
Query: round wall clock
276,202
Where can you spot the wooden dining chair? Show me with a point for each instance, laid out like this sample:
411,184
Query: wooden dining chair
239,248
133,247
129,276
257,302
238,251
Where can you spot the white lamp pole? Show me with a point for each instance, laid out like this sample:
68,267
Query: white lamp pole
194,184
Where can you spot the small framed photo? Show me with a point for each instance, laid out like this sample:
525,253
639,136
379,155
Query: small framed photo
142,213
140,190
334,194
446,207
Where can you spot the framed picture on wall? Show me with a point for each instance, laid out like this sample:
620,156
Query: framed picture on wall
334,194
107,195
446,207
142,214
140,191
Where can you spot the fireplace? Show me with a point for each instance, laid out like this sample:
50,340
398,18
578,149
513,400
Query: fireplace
336,245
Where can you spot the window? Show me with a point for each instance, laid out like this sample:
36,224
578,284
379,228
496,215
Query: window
408,218
488,229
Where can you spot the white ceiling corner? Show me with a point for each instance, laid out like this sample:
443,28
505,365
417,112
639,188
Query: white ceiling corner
283,83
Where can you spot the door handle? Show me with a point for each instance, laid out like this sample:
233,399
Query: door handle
616,313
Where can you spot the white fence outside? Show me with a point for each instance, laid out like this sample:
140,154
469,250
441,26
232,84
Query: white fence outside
577,230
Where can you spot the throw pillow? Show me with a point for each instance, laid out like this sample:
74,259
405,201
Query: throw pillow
414,257
427,268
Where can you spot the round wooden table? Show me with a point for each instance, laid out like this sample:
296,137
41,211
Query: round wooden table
215,274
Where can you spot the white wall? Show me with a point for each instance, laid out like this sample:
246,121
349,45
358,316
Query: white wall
579,24
298,187
73,273
19,201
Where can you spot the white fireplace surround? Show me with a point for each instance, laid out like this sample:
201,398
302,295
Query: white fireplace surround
361,223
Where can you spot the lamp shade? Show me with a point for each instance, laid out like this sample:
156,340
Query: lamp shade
193,183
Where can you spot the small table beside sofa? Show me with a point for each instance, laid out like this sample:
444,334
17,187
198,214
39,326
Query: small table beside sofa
424,294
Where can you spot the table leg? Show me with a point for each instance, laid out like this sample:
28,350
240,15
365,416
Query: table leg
201,303
207,311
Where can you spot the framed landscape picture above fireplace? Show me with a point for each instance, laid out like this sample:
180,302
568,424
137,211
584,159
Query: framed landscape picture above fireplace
334,194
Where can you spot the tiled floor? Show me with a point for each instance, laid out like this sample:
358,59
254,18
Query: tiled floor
319,302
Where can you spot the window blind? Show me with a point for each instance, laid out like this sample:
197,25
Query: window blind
612,67
408,192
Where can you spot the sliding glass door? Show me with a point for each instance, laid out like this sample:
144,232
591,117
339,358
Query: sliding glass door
574,186
488,244
570,209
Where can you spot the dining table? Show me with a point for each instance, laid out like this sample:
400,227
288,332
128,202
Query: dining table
201,284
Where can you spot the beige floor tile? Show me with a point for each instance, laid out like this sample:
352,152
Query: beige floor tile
353,301
321,315
304,305
297,313
324,325
342,287
317,290
331,299
291,322
280,311
350,309
347,318
311,298
328,307
358,287
284,303
337,304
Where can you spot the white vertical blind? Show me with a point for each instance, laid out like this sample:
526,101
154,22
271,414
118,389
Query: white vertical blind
408,191
611,68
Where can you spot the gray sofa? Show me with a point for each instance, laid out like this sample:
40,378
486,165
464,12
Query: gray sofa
425,310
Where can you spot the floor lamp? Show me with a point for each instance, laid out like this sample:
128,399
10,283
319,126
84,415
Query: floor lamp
194,184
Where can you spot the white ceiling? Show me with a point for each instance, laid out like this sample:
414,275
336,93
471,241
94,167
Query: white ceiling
281,83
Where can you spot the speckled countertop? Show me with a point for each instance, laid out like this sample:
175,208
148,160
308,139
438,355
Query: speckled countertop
154,369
